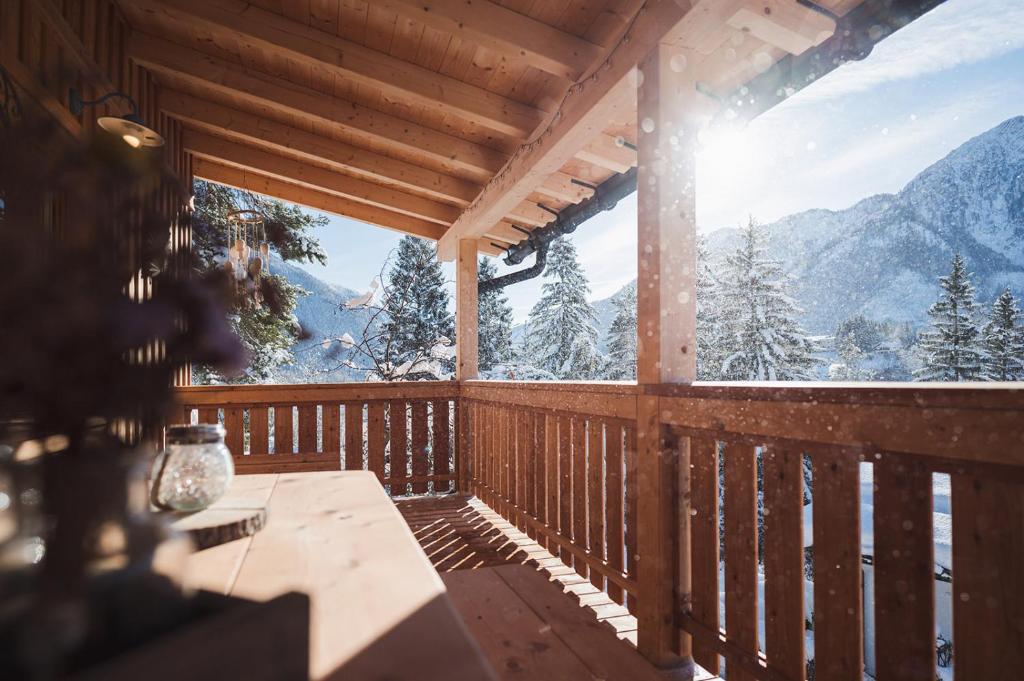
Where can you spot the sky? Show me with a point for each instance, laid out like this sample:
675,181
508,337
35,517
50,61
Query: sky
868,127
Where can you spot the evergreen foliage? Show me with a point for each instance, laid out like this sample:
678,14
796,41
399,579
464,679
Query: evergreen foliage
758,335
1004,341
561,337
416,307
267,332
621,361
709,351
495,321
951,347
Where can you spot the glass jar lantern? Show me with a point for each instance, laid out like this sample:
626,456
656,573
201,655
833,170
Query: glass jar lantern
194,470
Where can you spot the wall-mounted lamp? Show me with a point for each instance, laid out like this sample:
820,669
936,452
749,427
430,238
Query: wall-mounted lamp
130,127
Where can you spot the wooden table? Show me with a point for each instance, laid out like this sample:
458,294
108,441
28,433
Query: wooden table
378,608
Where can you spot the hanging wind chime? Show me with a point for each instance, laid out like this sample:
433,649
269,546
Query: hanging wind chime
248,253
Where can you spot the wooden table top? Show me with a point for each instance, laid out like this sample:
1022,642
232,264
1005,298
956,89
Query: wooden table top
378,608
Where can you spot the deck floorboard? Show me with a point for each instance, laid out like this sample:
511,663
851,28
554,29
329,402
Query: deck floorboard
534,616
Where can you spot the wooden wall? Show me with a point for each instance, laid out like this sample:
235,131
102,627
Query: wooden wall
50,46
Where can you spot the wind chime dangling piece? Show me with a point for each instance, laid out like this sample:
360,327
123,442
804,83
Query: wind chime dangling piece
248,253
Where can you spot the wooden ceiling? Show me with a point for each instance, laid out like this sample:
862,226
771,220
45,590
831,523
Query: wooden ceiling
471,119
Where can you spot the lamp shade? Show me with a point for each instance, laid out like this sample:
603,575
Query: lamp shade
131,131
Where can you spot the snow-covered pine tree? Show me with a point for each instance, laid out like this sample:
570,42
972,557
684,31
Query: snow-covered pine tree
759,338
561,337
1004,340
416,306
495,320
709,356
952,347
620,364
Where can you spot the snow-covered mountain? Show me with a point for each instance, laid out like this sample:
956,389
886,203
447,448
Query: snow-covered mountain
321,315
882,256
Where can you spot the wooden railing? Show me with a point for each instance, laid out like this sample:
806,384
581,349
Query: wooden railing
562,462
975,435
559,462
405,433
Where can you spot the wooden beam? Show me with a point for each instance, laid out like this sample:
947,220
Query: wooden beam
466,337
586,110
443,150
666,345
311,198
250,128
608,152
397,80
232,153
560,186
785,24
516,37
666,224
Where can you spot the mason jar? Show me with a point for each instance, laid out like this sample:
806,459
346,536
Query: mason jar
194,470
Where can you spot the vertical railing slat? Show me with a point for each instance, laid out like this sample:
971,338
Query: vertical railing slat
420,462
595,495
614,506
307,428
579,490
375,434
704,556
353,459
259,435
740,581
283,430
549,444
529,444
208,415
783,560
234,431
565,485
904,571
631,510
397,416
988,579
519,476
441,445
331,431
838,609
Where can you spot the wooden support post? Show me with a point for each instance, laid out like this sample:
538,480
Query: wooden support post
666,347
466,352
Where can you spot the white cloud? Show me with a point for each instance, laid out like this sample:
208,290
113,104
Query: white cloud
956,33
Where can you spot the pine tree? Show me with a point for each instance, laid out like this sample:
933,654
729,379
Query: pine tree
709,356
416,306
561,335
759,338
267,331
952,347
621,361
1004,340
495,320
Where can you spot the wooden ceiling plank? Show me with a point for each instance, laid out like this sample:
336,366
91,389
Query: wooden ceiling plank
208,146
783,23
587,109
396,79
189,65
252,128
531,214
311,198
517,37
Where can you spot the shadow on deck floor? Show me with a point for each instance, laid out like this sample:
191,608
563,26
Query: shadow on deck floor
498,579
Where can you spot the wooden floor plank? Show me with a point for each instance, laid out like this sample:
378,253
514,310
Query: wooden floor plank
512,636
577,627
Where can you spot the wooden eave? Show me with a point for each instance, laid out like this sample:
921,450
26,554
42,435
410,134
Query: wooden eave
453,121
